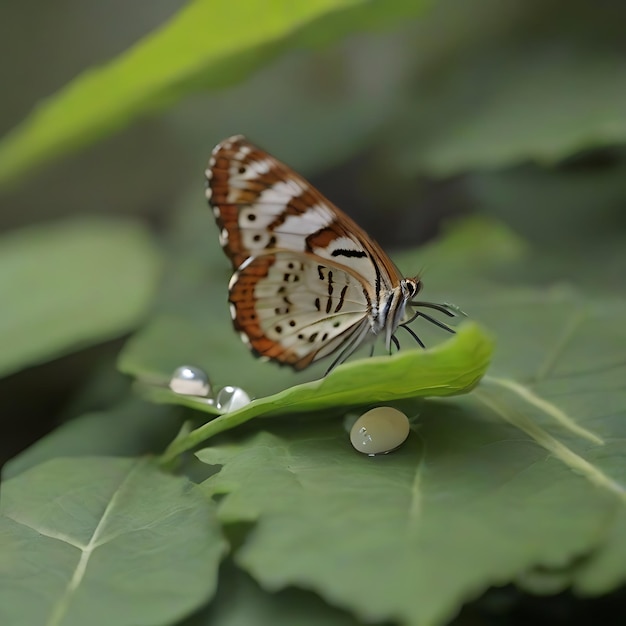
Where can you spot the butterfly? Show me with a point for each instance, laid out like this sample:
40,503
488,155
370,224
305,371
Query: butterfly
308,282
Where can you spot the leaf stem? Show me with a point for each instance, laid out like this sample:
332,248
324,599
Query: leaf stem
547,407
547,441
191,439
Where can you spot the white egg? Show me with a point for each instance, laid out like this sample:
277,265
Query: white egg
190,381
379,431
231,399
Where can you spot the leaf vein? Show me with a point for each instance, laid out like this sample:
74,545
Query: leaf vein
86,552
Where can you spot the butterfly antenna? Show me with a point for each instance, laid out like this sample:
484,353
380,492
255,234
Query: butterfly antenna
450,310
396,343
410,331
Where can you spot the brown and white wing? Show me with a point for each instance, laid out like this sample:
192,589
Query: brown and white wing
262,205
296,308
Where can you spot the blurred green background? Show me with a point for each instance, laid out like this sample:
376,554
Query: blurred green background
406,114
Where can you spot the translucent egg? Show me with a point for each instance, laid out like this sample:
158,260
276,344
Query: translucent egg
379,431
231,399
190,381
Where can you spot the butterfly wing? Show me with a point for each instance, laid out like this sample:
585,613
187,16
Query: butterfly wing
262,205
308,280
296,308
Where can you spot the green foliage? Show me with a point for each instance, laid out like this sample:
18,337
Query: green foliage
468,502
205,45
102,539
453,368
72,284
550,92
511,477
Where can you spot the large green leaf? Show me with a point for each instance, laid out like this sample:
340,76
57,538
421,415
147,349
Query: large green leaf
70,284
206,44
132,429
541,98
241,601
453,368
470,501
554,207
104,541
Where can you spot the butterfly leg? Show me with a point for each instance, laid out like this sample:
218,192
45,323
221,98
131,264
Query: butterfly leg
432,320
353,343
396,343
412,333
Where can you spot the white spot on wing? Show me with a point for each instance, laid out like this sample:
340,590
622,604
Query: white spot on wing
263,215
343,243
245,264
233,311
233,279
311,221
254,240
224,237
252,171
244,151
244,338
216,211
281,193
261,167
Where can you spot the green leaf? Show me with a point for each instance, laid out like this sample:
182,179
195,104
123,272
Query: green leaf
540,100
131,429
104,541
527,471
240,600
561,201
452,368
71,284
205,45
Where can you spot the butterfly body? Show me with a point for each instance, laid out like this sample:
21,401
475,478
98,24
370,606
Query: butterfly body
307,281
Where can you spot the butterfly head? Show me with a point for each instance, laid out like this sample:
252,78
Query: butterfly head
410,287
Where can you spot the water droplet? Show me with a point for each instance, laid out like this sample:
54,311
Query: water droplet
231,399
379,431
190,381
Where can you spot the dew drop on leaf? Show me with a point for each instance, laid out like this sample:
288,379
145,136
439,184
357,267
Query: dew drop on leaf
190,381
231,399
379,431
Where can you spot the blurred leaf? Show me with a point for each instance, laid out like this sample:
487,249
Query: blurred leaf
606,570
573,216
468,501
132,429
537,99
204,45
310,95
240,600
574,205
451,368
105,541
454,264
71,284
